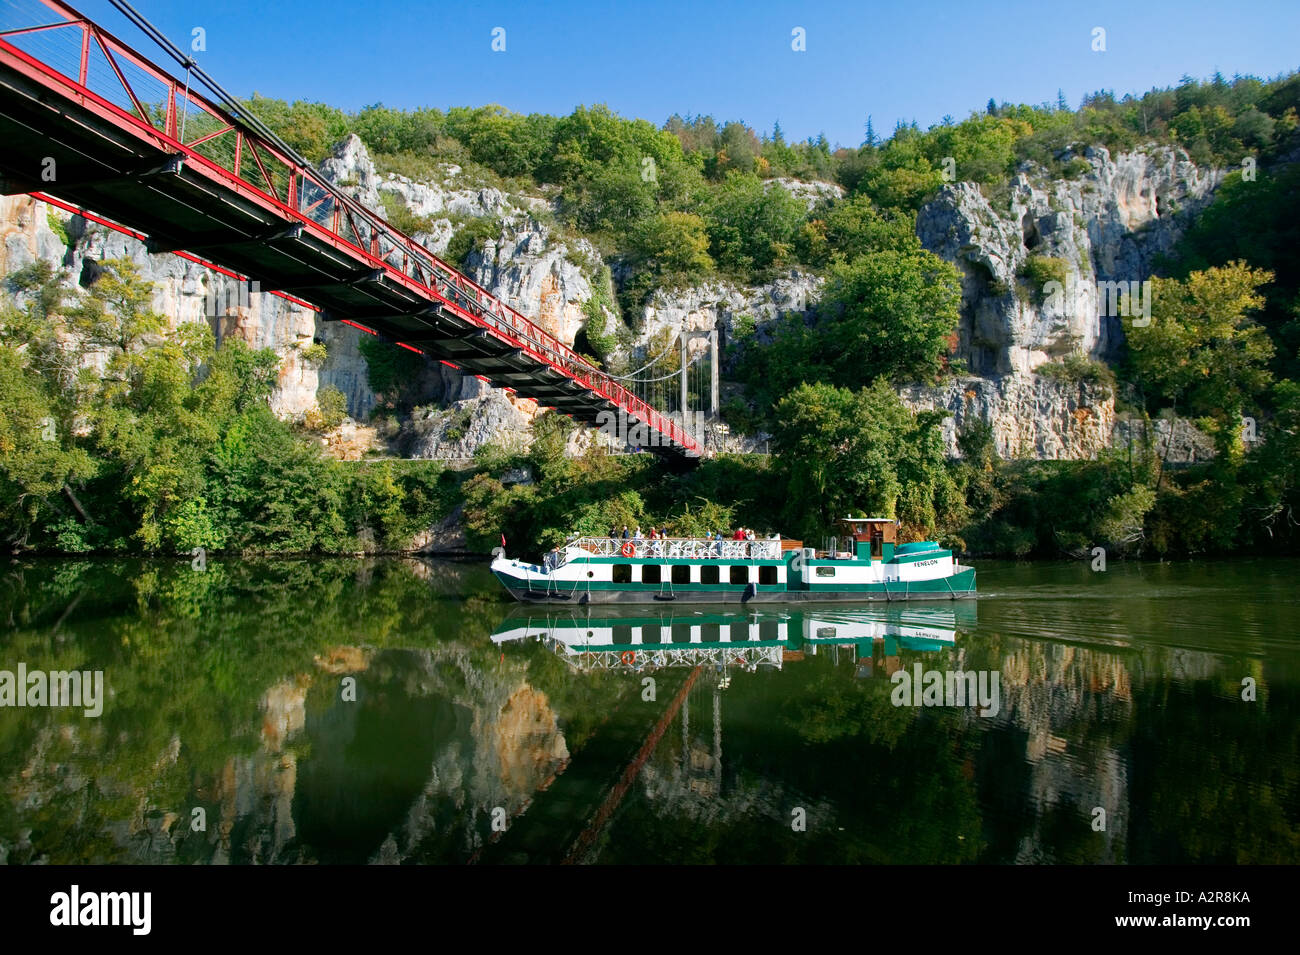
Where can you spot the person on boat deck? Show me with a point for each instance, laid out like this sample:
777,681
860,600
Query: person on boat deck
654,534
739,535
625,533
708,535
613,533
638,535
663,532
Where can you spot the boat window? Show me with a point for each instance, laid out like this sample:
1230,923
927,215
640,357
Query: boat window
739,631
825,571
709,574
681,633
739,574
767,575
825,631
622,573
650,574
622,634
650,633
681,573
769,630
710,633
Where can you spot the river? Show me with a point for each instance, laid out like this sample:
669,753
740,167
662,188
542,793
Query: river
344,711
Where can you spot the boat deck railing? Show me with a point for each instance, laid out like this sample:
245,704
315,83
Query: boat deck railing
680,548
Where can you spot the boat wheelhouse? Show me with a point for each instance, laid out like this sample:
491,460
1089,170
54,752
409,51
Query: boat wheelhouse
863,562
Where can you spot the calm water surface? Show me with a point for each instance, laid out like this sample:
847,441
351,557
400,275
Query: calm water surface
399,711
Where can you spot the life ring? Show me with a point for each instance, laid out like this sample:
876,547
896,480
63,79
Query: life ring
628,550
628,656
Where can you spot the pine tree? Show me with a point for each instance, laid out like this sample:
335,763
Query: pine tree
871,134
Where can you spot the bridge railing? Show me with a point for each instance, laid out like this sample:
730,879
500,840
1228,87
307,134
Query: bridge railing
53,39
678,548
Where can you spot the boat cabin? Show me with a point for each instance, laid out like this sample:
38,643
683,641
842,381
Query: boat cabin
871,536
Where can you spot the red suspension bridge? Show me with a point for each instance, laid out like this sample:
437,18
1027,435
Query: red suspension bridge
92,126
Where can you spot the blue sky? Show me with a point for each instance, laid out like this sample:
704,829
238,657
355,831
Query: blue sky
900,60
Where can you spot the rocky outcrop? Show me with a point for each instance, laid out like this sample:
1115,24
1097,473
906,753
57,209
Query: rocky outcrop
444,197
532,271
456,432
721,304
808,192
351,441
1174,441
1031,416
1107,226
187,292
350,169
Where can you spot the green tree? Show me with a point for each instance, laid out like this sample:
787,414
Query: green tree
40,462
891,314
751,227
1201,352
675,246
837,451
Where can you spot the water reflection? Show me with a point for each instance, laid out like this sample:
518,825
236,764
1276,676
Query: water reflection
229,736
632,641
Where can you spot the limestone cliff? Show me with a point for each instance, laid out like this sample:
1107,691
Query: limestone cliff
1107,225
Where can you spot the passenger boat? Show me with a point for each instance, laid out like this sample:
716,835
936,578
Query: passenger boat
870,567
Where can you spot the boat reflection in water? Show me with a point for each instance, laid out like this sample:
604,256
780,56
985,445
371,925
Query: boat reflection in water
610,639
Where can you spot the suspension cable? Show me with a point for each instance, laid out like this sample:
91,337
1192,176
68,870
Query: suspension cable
691,364
631,374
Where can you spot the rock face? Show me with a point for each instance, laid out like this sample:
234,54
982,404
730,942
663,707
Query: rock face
1032,416
444,197
1105,227
720,304
1173,441
809,193
187,292
533,272
456,432
349,168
